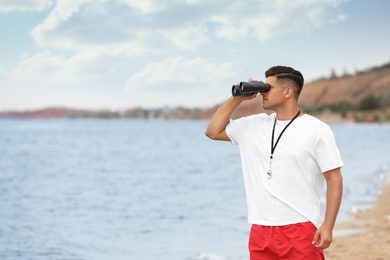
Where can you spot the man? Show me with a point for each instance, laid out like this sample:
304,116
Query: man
286,159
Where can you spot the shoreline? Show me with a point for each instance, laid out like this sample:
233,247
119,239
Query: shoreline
367,234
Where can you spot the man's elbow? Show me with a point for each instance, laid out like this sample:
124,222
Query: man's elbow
210,134
218,136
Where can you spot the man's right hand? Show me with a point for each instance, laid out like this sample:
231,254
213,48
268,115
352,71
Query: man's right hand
243,98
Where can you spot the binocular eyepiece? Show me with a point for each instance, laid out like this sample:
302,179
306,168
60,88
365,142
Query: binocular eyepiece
248,89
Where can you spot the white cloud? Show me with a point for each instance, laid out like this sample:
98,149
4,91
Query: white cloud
24,5
47,69
98,35
53,32
156,26
85,24
146,6
267,19
186,38
180,81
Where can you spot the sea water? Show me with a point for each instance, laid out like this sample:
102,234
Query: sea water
86,189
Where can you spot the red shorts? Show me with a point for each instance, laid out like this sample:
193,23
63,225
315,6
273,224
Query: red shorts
284,242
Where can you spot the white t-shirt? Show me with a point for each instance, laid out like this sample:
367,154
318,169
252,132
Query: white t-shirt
305,151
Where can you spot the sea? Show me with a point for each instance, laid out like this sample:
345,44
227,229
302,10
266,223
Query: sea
99,189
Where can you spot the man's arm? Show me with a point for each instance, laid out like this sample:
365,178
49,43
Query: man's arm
216,128
334,192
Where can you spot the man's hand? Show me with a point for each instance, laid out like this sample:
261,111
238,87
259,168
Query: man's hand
243,98
216,128
323,237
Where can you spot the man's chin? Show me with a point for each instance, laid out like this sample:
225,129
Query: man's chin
265,106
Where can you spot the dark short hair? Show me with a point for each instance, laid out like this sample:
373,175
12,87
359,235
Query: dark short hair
283,72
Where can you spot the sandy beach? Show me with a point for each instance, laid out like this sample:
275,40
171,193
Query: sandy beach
372,242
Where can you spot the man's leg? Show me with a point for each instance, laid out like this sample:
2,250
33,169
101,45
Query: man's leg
261,243
296,242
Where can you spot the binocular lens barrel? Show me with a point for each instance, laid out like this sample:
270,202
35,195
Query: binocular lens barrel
248,89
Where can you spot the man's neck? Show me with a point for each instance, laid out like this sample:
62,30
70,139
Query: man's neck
287,114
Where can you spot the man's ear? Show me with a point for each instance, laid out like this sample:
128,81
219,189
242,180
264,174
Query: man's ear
289,92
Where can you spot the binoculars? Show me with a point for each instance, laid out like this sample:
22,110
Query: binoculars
248,89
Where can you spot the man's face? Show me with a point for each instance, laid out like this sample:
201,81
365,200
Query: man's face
275,96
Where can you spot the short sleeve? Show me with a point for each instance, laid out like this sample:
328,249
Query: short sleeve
327,153
237,128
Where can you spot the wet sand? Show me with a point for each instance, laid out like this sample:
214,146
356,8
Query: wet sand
371,240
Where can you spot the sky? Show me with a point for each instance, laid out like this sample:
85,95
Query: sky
120,54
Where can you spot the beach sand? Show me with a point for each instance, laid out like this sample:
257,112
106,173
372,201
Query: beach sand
372,242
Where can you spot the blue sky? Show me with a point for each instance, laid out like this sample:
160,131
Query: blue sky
117,54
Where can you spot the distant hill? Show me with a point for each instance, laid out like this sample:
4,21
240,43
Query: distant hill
58,112
364,96
351,89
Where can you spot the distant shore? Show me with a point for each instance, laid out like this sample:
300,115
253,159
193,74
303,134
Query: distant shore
371,239
182,113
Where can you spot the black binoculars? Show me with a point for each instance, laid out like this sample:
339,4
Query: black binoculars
248,89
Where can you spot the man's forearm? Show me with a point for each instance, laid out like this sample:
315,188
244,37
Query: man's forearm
221,118
334,192
333,197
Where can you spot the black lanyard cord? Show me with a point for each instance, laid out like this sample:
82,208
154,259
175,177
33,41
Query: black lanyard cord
273,133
